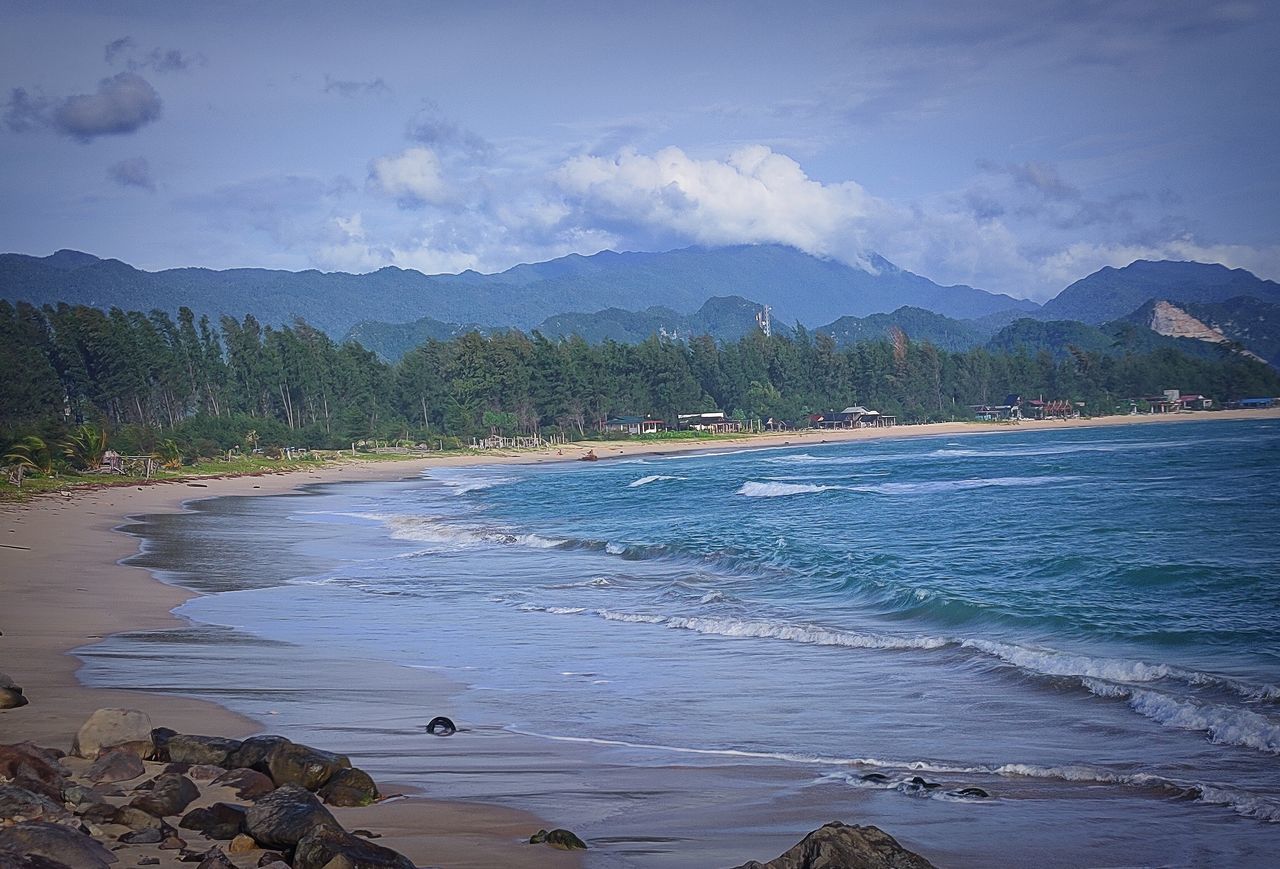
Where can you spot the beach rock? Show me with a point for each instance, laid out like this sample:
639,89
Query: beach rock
12,698
148,861
875,777
248,784
109,728
173,843
293,764
203,750
80,795
349,787
169,795
19,804
100,813
979,793
285,816
242,843
135,819
275,864
270,858
34,768
255,753
323,845
53,842
218,821
441,726
204,772
10,860
561,839
841,846
215,859
115,764
143,837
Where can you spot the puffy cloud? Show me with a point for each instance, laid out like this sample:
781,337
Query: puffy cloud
24,111
122,104
431,128
134,172
124,50
754,196
414,176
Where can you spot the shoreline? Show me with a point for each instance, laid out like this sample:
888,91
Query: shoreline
65,586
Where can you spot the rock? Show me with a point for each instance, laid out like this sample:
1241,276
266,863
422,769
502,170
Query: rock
34,768
148,861
210,750
135,818
241,844
218,821
79,795
108,728
248,784
99,813
204,772
143,837
284,816
973,792
323,845
179,768
12,698
875,777
169,796
839,846
53,842
441,726
215,859
557,838
349,787
255,753
115,764
293,764
917,781
275,864
173,843
269,858
19,804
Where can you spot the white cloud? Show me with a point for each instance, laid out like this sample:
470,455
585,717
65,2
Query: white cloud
414,175
755,196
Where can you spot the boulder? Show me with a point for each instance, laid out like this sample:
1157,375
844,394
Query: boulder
204,772
101,813
115,764
10,860
248,784
151,836
19,804
284,816
242,844
34,768
173,843
160,737
135,819
324,845
169,795
215,859
269,858
108,728
349,787
218,821
839,846
558,838
54,842
205,750
12,698
293,764
255,753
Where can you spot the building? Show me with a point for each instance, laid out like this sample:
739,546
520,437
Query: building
1010,410
635,425
1253,403
1038,408
713,421
1195,401
856,416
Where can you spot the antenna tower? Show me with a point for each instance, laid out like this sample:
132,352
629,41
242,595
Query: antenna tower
764,319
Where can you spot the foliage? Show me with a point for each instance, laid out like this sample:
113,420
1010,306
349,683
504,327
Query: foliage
85,447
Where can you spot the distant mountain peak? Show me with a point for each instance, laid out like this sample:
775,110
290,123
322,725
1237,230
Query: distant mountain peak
68,259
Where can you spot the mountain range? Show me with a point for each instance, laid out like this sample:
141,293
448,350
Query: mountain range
692,291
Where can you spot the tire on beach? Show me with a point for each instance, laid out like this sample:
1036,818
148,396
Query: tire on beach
441,726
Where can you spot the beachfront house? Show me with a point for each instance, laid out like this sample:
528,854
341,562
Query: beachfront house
1011,410
1195,401
856,416
634,425
1038,408
714,421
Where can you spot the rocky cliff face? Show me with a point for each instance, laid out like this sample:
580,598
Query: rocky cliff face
1170,320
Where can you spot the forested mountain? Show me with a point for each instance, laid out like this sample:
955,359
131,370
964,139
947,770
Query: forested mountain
798,286
918,324
1110,293
1252,323
1063,338
150,377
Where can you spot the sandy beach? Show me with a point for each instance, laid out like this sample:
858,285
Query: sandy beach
63,587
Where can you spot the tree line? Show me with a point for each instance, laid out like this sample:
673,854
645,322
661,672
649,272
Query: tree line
150,378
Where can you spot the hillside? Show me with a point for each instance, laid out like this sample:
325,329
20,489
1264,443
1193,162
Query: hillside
945,333
1249,324
1111,293
798,286
1117,338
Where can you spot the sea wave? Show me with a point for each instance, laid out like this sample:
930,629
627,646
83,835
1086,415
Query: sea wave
1225,725
773,489
654,478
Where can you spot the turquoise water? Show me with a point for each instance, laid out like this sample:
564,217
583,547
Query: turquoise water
1084,623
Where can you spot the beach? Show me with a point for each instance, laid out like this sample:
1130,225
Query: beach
64,588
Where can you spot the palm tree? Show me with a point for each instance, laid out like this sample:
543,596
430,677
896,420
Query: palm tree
85,446
28,454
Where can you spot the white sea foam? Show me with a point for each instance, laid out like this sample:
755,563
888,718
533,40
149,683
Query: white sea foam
754,489
773,489
638,618
1225,725
654,478
800,633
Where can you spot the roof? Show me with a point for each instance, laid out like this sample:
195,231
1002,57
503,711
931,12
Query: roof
630,420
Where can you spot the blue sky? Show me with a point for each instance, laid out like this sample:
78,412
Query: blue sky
1014,146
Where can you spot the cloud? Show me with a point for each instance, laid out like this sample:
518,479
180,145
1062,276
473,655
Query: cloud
123,104
754,196
118,47
25,112
414,177
430,127
352,89
134,172
124,50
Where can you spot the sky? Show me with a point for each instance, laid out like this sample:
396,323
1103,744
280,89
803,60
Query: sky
1013,145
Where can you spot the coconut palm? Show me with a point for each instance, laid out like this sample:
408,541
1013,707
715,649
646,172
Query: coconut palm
85,446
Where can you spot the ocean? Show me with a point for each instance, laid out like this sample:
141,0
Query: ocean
693,660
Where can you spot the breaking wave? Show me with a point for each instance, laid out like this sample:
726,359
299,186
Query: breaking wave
655,478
